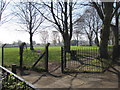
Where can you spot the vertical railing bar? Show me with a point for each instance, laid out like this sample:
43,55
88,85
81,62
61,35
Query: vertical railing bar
46,57
62,62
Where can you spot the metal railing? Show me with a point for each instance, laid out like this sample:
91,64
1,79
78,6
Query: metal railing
82,60
16,82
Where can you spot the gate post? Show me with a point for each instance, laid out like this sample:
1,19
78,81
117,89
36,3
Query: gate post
3,54
14,68
21,47
46,57
64,57
62,62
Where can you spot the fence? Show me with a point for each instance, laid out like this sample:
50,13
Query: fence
31,59
11,81
82,60
44,55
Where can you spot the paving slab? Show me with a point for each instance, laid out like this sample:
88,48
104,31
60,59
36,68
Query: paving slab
80,80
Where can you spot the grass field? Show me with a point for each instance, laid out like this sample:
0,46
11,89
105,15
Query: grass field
11,55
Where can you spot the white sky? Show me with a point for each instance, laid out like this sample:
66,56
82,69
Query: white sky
9,33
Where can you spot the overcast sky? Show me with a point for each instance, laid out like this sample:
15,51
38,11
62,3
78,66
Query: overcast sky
9,33
8,30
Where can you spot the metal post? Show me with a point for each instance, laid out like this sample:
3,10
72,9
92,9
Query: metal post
21,62
46,57
14,68
3,54
21,47
62,62
64,55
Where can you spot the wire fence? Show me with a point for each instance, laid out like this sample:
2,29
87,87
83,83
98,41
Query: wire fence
84,59
38,58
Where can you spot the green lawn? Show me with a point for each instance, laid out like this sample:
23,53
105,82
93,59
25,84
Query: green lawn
12,54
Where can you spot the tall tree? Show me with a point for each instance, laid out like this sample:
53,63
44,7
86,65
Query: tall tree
44,36
61,12
77,35
3,5
55,37
106,12
97,24
29,18
90,24
115,27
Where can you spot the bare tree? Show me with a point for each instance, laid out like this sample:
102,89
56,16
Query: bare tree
77,35
55,37
89,23
44,36
88,26
3,6
116,32
106,11
61,12
96,24
115,27
29,18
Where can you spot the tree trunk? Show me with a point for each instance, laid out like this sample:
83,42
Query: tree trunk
66,43
104,41
97,40
115,30
31,42
115,53
77,40
106,14
116,47
90,42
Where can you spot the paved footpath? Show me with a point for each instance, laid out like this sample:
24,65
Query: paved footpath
103,80
80,80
